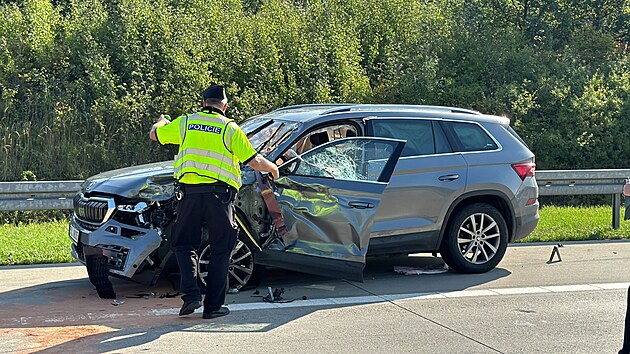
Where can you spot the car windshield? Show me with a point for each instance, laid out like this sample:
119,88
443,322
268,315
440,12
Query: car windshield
266,134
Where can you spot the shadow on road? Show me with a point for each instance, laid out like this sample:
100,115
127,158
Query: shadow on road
68,316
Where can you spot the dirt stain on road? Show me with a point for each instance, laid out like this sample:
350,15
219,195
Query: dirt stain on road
31,340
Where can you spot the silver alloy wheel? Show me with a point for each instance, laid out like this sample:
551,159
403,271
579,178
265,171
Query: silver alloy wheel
478,238
240,269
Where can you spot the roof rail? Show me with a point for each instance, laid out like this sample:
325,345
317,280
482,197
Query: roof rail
314,105
366,107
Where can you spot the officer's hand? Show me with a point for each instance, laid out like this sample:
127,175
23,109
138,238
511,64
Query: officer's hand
164,119
274,172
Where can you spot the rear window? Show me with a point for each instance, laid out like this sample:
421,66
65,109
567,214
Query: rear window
471,137
419,134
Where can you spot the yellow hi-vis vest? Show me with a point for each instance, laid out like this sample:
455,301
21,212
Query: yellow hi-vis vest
204,148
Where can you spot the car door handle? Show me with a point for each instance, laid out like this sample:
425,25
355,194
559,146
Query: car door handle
448,178
361,205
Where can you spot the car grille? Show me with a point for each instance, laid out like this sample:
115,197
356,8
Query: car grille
86,225
93,210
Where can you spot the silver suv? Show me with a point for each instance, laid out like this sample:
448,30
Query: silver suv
356,180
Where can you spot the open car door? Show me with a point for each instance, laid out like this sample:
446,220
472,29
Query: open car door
328,198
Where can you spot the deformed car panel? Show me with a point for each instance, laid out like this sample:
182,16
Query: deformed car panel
123,253
320,219
322,224
147,182
329,212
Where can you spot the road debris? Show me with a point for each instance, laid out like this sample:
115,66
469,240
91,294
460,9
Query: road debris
153,294
429,269
274,295
165,295
117,302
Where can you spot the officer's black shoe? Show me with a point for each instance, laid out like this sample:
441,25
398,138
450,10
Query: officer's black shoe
222,311
189,307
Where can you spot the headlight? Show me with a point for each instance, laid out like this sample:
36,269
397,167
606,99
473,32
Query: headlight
138,208
157,191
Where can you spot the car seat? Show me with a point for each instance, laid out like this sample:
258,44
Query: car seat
317,139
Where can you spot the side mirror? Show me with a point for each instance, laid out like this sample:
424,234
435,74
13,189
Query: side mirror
290,154
290,167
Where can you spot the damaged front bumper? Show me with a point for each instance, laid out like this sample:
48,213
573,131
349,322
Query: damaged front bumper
124,248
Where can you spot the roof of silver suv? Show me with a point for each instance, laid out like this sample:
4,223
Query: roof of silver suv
309,112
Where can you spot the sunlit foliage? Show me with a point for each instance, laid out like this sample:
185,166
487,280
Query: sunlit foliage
81,81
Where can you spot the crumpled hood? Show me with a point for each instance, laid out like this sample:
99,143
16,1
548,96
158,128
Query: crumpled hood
152,181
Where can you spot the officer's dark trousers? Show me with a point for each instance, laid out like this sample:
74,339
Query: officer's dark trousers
626,335
217,210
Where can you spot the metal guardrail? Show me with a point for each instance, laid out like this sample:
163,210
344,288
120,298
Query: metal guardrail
49,195
582,182
38,195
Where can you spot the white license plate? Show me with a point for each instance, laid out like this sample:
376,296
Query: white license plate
74,233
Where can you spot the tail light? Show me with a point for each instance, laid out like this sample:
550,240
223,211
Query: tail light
524,170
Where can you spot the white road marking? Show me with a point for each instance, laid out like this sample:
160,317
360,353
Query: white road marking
611,286
521,291
354,300
123,337
357,300
570,288
470,293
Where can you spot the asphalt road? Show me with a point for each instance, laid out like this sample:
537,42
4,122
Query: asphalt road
523,306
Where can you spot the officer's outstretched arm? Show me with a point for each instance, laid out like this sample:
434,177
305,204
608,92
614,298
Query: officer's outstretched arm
262,164
162,121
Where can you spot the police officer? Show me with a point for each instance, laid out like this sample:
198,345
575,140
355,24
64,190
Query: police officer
207,168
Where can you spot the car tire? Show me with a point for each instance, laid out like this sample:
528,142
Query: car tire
98,272
475,240
242,273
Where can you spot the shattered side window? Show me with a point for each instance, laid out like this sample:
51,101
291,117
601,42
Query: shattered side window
347,159
266,134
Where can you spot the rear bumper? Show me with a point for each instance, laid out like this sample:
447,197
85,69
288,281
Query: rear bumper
527,223
124,247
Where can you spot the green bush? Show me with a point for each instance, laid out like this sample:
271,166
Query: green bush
81,82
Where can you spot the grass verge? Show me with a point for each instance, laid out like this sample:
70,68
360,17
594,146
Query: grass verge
48,242
577,224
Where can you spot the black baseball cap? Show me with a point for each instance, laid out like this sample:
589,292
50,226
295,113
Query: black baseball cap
216,92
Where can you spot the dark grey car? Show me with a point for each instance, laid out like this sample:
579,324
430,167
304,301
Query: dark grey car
356,180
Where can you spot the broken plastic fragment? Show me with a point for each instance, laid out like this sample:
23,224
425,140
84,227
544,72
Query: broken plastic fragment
156,294
274,295
117,302
430,269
